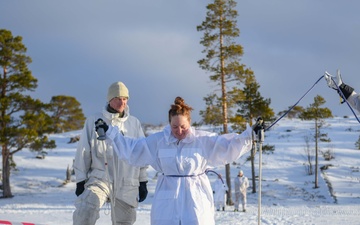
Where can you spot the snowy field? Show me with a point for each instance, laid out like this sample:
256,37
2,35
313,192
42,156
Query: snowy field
288,195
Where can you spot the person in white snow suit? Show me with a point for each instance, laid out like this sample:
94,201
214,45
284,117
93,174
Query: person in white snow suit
351,96
241,183
220,189
181,155
100,175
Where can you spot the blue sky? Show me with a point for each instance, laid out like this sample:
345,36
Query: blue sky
79,48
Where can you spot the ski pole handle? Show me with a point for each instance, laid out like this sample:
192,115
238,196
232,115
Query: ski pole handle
260,135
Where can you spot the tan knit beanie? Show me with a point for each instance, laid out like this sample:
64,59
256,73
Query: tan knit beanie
117,89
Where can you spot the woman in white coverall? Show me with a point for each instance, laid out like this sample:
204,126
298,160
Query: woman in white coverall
351,96
220,189
100,175
183,193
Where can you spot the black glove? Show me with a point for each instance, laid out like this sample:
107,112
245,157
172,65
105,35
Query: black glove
80,187
346,90
101,127
142,191
258,125
101,124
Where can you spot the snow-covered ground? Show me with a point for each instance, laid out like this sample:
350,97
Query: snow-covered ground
288,195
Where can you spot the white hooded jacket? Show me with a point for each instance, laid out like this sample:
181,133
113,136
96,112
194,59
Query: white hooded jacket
241,184
183,193
220,189
89,162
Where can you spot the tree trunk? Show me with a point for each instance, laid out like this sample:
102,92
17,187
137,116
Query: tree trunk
6,173
225,117
228,182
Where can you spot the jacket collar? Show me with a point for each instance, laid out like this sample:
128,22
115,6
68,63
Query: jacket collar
111,116
170,138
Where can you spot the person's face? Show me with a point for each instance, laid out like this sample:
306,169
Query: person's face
119,103
179,126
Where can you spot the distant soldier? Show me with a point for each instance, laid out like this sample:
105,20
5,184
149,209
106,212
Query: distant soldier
241,184
220,189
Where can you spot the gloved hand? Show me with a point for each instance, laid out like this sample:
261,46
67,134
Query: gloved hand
101,124
80,187
101,127
258,125
142,191
344,88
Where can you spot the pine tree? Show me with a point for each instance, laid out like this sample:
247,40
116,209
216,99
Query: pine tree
212,113
223,55
250,105
318,114
293,113
66,113
22,118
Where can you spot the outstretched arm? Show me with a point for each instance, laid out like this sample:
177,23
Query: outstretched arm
344,90
134,150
